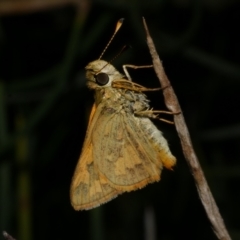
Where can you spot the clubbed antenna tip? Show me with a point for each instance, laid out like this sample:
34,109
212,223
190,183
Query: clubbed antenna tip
118,26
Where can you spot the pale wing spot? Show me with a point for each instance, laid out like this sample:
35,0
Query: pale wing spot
120,166
98,188
85,176
95,189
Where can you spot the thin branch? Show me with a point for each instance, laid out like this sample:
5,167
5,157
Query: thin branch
7,236
188,151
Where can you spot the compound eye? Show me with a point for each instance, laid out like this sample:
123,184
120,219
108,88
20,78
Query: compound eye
102,79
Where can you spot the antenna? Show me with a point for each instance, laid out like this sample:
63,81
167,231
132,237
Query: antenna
124,48
119,24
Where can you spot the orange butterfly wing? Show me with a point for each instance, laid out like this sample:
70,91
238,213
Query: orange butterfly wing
88,188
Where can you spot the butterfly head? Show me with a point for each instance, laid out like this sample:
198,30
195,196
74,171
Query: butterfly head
100,74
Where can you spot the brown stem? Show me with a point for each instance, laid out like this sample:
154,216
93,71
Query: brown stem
172,104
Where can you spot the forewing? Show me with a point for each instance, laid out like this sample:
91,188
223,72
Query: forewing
124,155
89,189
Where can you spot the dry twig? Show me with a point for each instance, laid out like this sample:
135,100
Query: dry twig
172,104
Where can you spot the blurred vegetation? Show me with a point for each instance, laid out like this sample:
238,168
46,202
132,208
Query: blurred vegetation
44,108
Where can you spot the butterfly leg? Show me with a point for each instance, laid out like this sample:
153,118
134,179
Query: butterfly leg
134,67
154,114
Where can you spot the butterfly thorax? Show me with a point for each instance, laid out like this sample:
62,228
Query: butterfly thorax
121,100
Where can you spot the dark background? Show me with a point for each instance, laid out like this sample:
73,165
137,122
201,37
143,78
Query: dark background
44,109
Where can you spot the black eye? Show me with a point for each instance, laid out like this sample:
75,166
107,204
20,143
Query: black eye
102,79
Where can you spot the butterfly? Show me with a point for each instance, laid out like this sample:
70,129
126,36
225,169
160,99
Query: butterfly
123,150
